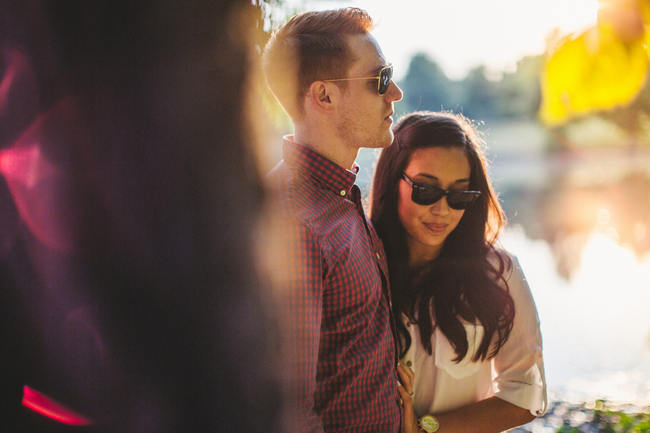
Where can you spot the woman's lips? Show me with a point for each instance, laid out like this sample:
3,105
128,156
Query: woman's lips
436,228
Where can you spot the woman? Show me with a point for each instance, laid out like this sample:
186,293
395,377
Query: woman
469,334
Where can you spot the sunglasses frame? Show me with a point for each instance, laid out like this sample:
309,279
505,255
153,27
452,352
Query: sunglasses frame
382,85
449,193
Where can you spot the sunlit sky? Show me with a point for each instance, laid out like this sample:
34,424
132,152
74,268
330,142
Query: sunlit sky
461,34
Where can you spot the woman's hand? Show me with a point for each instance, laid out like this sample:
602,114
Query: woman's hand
405,387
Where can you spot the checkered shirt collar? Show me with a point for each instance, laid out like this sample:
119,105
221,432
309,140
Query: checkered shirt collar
331,175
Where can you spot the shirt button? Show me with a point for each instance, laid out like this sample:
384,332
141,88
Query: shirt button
342,192
409,363
378,256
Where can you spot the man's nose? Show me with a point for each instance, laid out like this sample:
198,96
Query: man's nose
394,93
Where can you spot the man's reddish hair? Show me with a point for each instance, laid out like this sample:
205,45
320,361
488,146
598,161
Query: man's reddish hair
309,47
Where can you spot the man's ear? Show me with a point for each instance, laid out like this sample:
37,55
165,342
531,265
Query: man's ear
323,95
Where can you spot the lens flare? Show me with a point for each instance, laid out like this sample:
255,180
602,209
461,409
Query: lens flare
37,186
47,406
25,166
15,64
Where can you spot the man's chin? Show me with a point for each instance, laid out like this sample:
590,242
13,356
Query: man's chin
387,140
383,141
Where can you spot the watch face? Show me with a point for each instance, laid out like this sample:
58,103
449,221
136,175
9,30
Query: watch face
429,423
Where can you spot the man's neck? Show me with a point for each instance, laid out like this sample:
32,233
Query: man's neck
330,147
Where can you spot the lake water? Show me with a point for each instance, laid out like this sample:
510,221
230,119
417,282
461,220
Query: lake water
595,325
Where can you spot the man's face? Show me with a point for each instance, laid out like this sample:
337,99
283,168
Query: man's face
365,117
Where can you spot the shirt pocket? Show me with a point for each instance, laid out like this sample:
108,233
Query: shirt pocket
445,353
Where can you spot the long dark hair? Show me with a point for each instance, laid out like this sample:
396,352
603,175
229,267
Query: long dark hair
461,283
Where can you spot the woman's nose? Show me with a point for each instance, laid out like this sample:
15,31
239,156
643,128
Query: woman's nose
441,207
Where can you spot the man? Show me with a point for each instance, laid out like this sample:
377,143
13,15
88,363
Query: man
330,75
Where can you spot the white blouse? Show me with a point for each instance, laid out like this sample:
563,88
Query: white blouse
515,374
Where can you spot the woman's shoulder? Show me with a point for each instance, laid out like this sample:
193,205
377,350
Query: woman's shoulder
506,267
502,261
512,274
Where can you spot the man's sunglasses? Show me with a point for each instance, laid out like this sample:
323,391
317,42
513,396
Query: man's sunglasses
425,195
384,77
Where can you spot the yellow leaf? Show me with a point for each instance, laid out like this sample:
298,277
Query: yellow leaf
593,71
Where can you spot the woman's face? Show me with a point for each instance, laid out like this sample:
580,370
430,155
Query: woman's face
428,226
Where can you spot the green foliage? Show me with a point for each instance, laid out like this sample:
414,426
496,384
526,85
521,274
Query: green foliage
426,87
514,96
519,91
642,427
567,429
620,422
480,95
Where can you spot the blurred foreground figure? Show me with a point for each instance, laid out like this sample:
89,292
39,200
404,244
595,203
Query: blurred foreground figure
128,198
330,75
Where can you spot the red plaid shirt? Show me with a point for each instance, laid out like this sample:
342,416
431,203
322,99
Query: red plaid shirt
337,300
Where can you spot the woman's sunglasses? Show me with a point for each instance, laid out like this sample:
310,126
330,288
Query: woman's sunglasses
425,195
384,77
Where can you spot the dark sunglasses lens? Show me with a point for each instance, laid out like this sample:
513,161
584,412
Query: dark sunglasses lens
426,194
461,200
385,76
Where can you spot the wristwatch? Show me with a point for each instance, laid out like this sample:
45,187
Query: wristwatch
429,423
